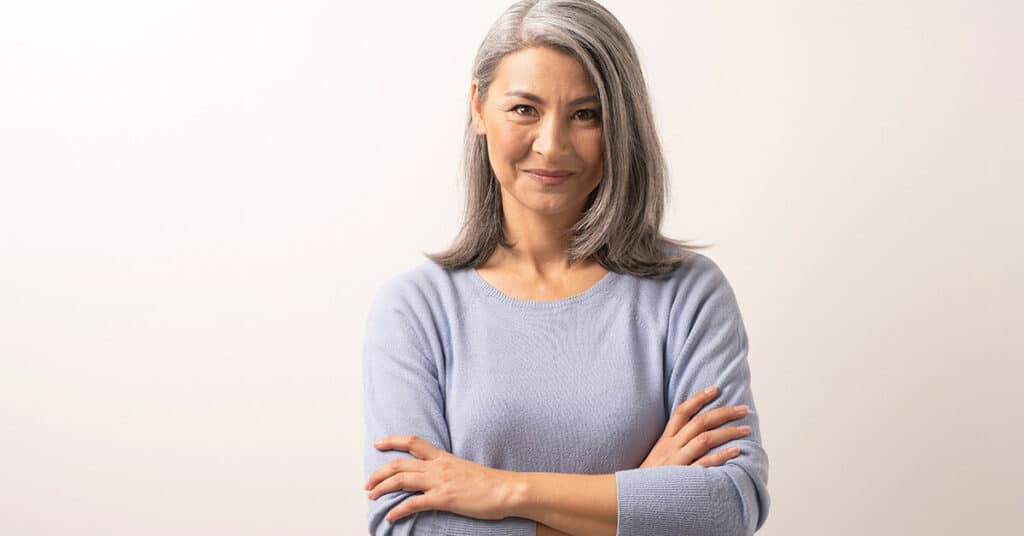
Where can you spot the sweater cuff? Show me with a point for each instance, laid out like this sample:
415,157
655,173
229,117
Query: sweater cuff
458,525
663,500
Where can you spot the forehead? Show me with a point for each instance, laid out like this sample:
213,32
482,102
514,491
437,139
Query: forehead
543,71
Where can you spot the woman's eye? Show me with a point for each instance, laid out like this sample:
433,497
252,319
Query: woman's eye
588,114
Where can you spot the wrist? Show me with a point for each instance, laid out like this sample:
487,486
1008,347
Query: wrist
516,492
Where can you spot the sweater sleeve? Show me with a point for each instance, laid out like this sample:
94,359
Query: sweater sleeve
402,395
708,346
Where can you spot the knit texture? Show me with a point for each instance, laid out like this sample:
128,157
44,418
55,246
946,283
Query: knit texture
583,384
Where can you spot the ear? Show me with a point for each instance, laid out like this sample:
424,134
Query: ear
477,109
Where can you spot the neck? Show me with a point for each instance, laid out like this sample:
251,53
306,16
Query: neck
541,244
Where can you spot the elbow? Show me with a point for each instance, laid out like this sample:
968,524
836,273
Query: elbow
728,500
742,502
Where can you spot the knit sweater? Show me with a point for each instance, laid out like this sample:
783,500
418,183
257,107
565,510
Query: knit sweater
583,384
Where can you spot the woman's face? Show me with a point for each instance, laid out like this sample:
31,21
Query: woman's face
542,114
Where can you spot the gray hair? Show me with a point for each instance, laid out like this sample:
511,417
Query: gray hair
620,226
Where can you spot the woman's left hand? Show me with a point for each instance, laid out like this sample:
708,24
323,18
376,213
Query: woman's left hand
449,483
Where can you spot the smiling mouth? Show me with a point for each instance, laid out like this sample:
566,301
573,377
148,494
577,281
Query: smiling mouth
549,180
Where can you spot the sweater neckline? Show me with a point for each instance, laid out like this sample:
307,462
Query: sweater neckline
490,290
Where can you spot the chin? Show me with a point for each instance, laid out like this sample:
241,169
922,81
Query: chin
551,207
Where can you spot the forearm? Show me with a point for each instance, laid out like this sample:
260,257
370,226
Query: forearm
544,530
579,505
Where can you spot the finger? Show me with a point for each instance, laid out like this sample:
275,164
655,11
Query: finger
416,503
394,466
718,458
400,482
415,445
698,446
708,420
688,408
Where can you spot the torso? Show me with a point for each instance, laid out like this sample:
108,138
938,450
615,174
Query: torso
579,386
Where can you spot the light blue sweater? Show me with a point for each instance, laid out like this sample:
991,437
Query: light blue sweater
583,384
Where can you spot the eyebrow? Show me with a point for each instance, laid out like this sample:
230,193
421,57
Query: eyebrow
530,96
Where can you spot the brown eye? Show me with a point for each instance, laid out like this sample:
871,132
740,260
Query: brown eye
593,115
518,107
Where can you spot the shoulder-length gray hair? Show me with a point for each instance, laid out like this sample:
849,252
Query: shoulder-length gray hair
620,226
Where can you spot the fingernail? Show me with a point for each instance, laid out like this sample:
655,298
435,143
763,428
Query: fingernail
741,410
709,390
745,429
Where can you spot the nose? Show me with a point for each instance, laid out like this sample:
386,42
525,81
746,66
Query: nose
551,138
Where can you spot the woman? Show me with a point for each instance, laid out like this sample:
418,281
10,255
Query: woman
545,374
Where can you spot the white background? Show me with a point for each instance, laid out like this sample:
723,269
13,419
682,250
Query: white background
198,200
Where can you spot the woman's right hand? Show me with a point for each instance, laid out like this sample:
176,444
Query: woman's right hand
686,439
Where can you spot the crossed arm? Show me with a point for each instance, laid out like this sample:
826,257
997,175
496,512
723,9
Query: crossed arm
668,500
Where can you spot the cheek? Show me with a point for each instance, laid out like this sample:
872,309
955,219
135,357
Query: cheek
590,149
506,145
511,141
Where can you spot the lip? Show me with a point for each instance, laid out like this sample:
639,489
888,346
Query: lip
548,180
549,172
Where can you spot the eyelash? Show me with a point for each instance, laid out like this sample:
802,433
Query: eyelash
595,115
